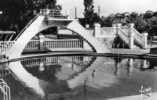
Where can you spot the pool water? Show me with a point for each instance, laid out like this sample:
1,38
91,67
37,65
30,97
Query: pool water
82,78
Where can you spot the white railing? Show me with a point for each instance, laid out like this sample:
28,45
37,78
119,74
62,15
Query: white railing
51,12
47,43
33,44
63,43
5,89
5,45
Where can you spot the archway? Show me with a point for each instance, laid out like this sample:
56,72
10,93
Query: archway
39,25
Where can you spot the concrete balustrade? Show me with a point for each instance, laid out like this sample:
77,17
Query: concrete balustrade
63,43
131,36
145,40
41,39
43,43
114,27
5,45
118,26
97,30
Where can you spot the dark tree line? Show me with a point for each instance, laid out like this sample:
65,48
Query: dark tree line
16,13
145,22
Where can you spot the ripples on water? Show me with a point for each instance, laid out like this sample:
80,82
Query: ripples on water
83,78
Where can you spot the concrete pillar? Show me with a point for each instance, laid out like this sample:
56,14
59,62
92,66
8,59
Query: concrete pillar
87,26
41,42
145,40
118,26
145,65
97,30
67,14
131,66
47,11
114,28
131,36
41,67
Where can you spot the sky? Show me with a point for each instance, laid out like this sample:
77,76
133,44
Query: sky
109,6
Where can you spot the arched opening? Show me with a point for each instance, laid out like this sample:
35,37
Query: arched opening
56,37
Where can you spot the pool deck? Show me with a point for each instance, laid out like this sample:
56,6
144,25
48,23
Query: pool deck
153,96
120,51
125,53
129,51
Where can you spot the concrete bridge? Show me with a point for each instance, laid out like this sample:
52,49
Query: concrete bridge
42,22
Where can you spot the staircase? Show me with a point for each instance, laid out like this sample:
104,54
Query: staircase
139,39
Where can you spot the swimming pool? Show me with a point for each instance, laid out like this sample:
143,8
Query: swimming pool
81,78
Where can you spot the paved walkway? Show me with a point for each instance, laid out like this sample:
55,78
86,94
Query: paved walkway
137,97
130,51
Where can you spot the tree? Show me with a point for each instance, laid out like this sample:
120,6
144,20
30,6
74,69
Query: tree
88,7
16,13
90,16
148,14
141,24
88,11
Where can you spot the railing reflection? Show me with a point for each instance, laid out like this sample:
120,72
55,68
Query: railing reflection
46,61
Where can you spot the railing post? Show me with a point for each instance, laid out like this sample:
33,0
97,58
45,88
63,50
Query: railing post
145,40
41,44
131,36
131,66
118,26
144,64
114,28
97,31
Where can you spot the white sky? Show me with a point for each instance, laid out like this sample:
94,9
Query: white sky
110,6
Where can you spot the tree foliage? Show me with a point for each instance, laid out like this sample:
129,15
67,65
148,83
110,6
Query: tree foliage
90,16
16,13
145,22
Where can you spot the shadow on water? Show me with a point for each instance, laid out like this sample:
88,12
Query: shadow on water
96,78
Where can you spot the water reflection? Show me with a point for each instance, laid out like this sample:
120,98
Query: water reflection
83,78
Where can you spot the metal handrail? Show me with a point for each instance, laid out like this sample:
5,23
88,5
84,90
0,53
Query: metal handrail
5,89
29,23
